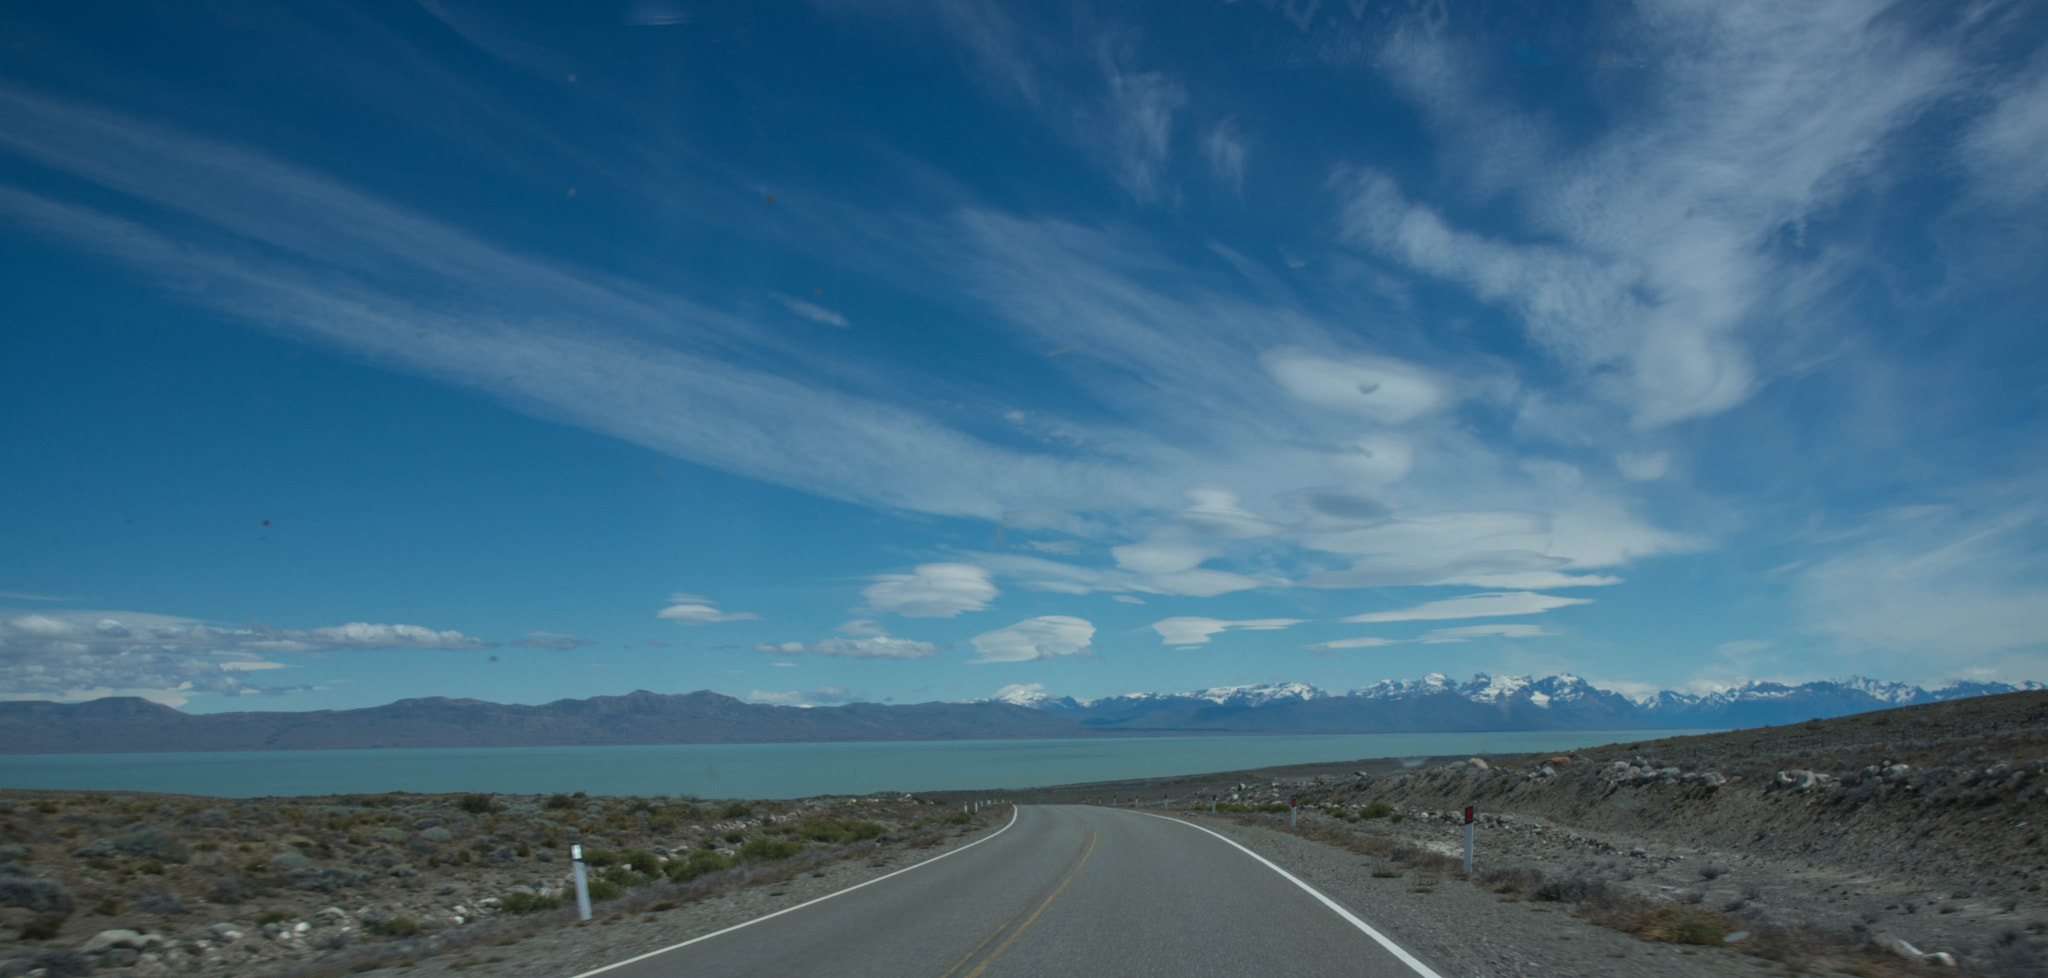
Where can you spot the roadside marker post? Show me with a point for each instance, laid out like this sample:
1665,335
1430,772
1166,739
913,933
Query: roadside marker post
582,882
1293,811
1468,840
1212,804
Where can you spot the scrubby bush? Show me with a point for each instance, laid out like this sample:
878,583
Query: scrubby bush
602,890
1378,809
527,903
737,809
834,831
624,877
696,864
398,925
478,804
560,802
640,859
957,818
762,850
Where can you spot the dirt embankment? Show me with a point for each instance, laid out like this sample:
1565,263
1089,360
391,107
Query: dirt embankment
164,883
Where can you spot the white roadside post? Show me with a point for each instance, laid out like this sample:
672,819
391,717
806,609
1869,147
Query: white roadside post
1468,840
582,882
1293,811
1212,804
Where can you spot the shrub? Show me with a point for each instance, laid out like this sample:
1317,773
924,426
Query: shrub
477,804
42,927
697,864
151,867
641,860
598,858
624,877
764,850
957,818
1378,809
395,926
602,890
527,903
560,802
1670,923
834,831
272,917
736,835
737,809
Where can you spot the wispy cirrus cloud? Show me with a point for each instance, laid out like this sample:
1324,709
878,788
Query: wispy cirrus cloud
557,641
1191,630
1490,605
822,696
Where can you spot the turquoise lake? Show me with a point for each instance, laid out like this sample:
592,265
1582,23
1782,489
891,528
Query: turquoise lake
748,770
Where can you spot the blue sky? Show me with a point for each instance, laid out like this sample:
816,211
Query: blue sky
911,350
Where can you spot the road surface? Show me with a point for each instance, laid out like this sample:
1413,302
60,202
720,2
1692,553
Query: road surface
1060,890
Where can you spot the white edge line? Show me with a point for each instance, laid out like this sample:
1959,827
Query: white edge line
1392,948
822,899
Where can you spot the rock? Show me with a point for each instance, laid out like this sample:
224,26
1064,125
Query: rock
12,854
213,818
427,823
383,858
435,833
120,957
107,939
224,932
1478,762
502,854
544,856
402,870
331,915
389,834
290,860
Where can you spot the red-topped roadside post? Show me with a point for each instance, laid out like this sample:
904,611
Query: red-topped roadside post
1468,840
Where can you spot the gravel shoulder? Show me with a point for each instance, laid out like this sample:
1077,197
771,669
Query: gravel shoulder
1462,929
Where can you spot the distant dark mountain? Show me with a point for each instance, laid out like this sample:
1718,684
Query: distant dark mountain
128,724
1431,704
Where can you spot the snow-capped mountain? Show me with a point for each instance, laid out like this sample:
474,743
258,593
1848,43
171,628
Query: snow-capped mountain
1436,702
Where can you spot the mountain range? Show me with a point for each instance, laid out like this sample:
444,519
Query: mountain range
1431,704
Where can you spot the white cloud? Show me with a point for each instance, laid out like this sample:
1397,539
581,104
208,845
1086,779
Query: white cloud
1646,249
76,654
1937,581
1490,605
1365,642
558,641
932,591
879,647
1379,390
1467,633
1138,109
811,311
1645,467
862,627
1126,599
1043,637
1196,631
822,696
18,596
1067,547
690,609
1215,511
1226,149
2008,143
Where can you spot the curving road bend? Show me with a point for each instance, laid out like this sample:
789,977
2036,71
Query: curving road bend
1061,890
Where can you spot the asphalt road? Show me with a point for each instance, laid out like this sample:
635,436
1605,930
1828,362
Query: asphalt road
1061,890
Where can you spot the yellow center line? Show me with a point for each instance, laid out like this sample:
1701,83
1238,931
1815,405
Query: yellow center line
992,935
1000,948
